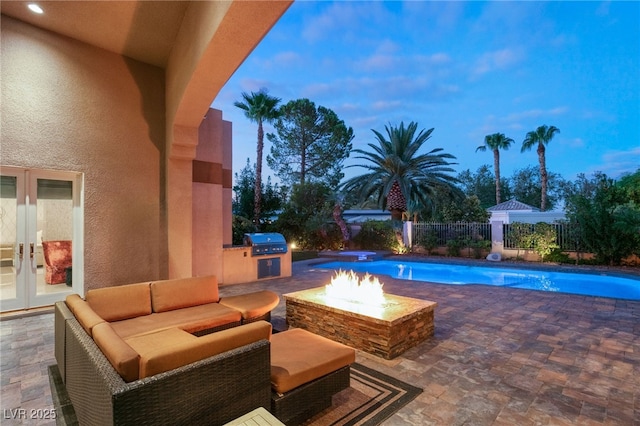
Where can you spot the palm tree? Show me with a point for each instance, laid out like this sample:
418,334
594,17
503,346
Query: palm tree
397,172
496,142
259,108
541,136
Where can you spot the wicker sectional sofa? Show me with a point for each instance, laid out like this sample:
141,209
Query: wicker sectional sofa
164,352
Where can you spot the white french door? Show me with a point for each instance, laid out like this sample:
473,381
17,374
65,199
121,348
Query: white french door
40,237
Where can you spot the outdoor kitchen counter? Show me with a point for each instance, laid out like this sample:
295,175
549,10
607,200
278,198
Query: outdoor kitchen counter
239,266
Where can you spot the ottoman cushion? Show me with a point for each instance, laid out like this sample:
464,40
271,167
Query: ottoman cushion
298,357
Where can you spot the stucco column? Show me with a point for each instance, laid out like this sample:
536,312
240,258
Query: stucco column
227,183
497,237
179,200
211,194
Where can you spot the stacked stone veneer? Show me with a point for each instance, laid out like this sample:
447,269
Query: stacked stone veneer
403,323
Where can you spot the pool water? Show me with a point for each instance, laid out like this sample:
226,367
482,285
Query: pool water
564,282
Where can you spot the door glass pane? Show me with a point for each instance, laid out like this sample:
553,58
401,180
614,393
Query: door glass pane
54,232
8,229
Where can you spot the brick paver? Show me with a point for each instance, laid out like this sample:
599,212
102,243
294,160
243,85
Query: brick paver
500,356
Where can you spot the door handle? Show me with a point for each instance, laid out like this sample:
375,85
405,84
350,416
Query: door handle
31,250
21,251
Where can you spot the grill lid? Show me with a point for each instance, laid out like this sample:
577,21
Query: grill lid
261,238
265,243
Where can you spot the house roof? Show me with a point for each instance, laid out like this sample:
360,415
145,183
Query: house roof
511,205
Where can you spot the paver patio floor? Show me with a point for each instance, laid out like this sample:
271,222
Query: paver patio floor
500,356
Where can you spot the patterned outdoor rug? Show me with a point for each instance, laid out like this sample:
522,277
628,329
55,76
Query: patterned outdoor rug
372,398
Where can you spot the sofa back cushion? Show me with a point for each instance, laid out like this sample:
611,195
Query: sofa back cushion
121,302
86,316
124,359
183,292
169,357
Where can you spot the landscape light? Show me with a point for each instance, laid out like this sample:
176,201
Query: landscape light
35,8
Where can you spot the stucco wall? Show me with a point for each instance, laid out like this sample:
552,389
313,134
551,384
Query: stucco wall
70,106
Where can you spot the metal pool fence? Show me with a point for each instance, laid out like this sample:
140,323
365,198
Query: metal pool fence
567,234
443,232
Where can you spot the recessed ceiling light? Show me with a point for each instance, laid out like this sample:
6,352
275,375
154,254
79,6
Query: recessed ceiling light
35,8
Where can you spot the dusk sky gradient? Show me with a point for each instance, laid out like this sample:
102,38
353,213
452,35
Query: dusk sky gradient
467,69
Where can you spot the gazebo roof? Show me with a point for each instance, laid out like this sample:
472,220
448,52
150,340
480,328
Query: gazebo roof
513,204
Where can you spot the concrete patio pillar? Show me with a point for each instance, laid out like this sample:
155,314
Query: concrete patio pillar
211,212
497,237
179,201
408,233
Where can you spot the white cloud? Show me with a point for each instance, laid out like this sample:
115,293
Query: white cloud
631,155
387,46
433,64
537,113
349,107
497,60
439,59
617,163
576,143
288,58
277,61
367,121
384,105
253,85
561,110
319,90
378,62
343,18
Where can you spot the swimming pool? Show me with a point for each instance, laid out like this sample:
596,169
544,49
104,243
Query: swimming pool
563,282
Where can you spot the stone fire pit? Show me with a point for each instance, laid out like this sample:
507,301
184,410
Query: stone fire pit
386,330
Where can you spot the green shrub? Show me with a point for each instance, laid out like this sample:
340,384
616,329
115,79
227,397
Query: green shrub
543,239
319,234
297,255
479,246
609,221
558,256
376,235
454,247
428,241
240,226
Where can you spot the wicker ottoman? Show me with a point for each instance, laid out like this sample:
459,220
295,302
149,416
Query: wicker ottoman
306,371
255,306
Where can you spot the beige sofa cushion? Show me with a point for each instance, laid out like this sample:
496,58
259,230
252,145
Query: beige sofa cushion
122,357
172,356
252,305
151,342
121,302
191,319
184,292
298,357
83,313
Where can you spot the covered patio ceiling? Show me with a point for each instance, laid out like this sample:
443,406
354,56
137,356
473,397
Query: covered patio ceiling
141,30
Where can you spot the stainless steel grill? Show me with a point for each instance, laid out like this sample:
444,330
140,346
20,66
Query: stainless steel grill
266,243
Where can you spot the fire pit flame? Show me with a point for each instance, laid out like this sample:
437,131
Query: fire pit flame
347,286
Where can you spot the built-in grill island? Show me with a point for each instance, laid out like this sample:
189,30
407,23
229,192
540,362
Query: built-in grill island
261,256
266,247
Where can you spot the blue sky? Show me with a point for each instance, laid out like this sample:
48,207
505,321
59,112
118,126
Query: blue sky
467,69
